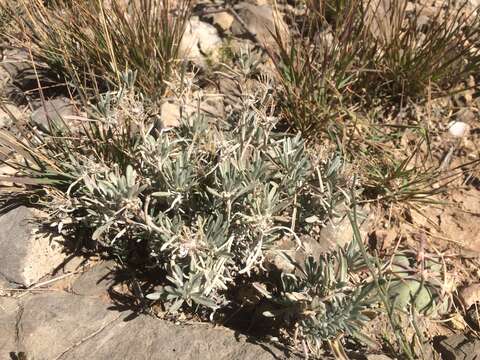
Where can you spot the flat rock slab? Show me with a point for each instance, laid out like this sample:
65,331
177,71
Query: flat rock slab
149,338
77,320
24,258
97,281
60,325
53,322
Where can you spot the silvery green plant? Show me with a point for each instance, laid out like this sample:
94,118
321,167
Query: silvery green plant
321,299
202,202
206,203
328,297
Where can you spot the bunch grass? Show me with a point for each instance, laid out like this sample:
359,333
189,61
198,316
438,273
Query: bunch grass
89,43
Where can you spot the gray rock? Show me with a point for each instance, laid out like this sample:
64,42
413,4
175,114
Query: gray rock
473,317
466,115
25,258
459,347
200,42
4,78
261,21
19,73
52,322
339,231
15,62
470,295
9,314
222,20
4,284
149,338
56,110
230,89
170,114
60,325
240,46
234,90
474,4
95,281
336,233
209,105
6,116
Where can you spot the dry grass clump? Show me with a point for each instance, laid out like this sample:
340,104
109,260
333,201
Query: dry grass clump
355,66
90,44
351,55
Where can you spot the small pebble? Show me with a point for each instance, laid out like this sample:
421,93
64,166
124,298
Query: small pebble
458,128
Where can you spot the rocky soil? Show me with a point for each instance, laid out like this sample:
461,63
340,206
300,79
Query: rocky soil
58,304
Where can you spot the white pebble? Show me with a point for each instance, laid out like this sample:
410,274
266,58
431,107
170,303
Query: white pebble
458,128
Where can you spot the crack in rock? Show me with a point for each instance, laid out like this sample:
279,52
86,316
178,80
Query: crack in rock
18,326
87,338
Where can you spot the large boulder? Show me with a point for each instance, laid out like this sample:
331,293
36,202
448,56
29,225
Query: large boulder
52,322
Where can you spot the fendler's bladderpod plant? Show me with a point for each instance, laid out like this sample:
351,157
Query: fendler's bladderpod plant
206,204
203,202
